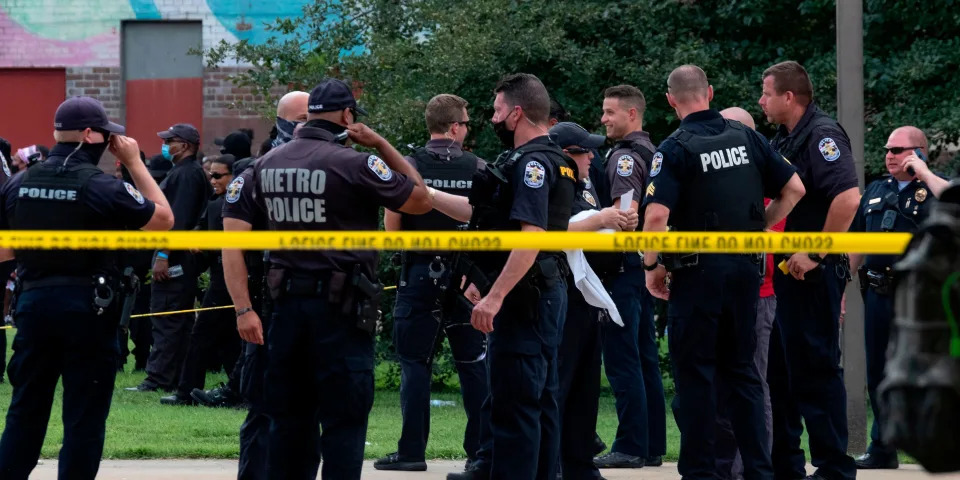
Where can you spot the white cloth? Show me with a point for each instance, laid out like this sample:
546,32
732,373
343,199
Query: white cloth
586,280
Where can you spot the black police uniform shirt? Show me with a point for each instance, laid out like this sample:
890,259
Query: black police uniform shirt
672,167
532,177
212,219
104,194
825,165
314,183
187,189
911,204
627,169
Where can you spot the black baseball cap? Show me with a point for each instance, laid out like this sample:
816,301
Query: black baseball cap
236,144
79,113
184,131
567,134
331,95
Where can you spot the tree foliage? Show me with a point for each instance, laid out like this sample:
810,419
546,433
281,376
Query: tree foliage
400,53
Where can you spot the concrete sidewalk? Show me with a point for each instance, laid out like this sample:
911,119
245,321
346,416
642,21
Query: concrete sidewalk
437,470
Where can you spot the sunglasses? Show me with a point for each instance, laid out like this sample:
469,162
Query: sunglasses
899,150
218,176
577,151
463,123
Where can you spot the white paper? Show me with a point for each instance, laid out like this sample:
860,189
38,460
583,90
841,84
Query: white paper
626,200
586,280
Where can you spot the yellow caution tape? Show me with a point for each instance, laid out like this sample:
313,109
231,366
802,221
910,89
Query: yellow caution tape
712,242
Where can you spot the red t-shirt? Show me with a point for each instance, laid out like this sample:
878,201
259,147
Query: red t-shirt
766,288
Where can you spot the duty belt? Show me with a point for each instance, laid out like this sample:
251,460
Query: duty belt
881,282
677,261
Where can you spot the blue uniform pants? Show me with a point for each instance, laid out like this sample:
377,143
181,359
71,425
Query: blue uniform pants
805,352
878,319
319,372
522,369
416,331
712,315
632,363
579,394
60,337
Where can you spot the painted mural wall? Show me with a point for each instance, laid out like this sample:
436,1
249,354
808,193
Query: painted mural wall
86,33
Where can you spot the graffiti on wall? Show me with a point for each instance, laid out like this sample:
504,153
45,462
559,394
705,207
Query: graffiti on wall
47,33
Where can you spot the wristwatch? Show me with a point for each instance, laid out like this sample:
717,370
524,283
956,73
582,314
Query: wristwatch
651,268
815,257
244,311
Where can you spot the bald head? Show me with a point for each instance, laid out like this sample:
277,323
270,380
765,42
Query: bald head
740,115
908,134
293,106
688,83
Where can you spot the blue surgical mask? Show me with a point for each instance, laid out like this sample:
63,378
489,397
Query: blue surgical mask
165,151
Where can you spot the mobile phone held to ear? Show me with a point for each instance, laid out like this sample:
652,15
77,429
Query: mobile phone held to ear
921,156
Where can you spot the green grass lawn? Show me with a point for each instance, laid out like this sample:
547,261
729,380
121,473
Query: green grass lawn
139,427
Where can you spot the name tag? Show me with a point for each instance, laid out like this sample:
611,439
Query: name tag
874,201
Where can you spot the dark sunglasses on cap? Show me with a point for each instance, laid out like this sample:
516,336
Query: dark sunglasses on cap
899,150
577,151
218,176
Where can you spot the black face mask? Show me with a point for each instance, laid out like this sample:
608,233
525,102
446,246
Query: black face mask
95,150
505,136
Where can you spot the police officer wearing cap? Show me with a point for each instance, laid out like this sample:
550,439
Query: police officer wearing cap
519,296
712,175
236,143
630,351
900,202
175,272
68,302
421,317
325,303
578,358
806,379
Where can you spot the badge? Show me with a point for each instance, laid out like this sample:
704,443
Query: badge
655,164
586,183
132,191
534,174
920,195
589,198
379,167
625,166
829,149
233,190
6,168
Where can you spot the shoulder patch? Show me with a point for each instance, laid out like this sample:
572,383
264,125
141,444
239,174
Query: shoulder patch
655,164
829,149
6,168
134,192
378,166
625,166
234,190
589,198
534,174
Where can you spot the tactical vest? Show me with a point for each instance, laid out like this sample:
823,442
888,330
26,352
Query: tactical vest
729,198
604,264
454,176
53,199
645,153
492,198
790,146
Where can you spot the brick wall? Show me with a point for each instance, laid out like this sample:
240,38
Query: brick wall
102,83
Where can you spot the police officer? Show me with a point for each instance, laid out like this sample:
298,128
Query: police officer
711,175
632,359
175,273
519,296
805,343
418,313
325,303
580,345
897,203
6,266
67,310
